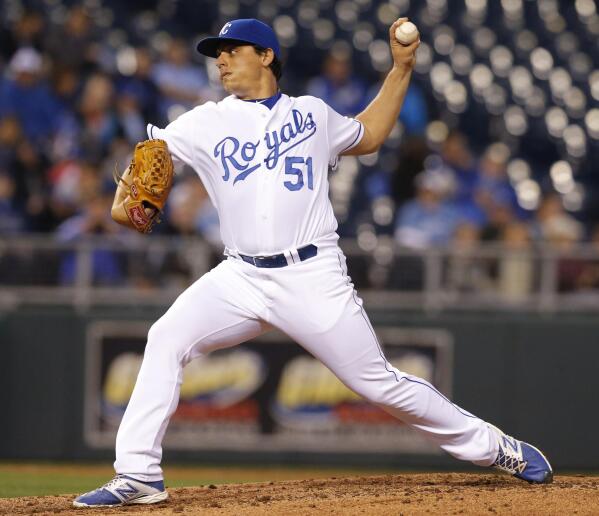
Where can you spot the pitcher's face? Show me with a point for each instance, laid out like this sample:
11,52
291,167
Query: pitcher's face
239,65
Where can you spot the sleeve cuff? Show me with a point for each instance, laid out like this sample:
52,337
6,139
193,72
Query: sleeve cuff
152,131
358,138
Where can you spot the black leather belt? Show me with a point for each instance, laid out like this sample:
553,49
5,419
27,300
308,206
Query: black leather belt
279,260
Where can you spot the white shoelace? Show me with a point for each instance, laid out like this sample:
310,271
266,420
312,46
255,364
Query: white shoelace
109,485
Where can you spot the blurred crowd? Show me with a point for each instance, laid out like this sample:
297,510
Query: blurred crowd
74,101
70,113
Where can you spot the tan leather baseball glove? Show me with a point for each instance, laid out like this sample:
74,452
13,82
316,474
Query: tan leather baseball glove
151,173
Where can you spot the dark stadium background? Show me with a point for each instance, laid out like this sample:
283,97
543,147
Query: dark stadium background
477,220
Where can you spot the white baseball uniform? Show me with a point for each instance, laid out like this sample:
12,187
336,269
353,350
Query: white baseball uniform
265,167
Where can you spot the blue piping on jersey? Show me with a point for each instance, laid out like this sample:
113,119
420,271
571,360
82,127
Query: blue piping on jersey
360,130
269,102
385,361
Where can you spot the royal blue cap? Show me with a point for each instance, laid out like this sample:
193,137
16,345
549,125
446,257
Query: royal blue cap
248,30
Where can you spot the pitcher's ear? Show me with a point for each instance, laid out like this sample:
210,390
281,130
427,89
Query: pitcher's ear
268,56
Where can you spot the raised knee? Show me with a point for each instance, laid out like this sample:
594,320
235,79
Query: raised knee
159,338
156,332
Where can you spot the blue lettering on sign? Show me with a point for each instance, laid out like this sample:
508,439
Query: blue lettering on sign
278,142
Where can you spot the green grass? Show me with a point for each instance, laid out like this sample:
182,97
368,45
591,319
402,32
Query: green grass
24,483
30,479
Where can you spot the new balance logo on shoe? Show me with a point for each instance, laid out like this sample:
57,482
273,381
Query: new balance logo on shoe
512,443
126,491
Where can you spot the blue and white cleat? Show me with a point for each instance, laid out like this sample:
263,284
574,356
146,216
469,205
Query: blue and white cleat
123,490
522,460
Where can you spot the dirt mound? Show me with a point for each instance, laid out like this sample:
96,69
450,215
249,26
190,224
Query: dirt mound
376,495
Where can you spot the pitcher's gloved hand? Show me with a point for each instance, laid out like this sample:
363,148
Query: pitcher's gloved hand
151,173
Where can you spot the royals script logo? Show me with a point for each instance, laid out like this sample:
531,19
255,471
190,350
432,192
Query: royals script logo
239,157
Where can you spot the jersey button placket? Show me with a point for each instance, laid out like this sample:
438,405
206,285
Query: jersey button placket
269,188
261,193
267,209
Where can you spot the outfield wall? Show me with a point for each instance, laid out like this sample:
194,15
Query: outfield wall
63,387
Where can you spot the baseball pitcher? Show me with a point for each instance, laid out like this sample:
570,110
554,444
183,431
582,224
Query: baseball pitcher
264,158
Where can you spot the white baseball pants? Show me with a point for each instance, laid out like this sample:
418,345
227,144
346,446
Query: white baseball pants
313,302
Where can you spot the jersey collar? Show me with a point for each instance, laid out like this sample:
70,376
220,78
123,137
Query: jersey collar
269,102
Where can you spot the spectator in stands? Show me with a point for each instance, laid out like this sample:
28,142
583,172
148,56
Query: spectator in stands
516,272
66,86
12,218
429,219
492,185
412,155
27,31
94,219
119,156
554,225
206,222
30,168
179,81
468,272
98,122
73,44
557,228
337,86
183,206
497,216
484,196
71,183
131,120
587,279
26,166
141,86
190,211
457,156
10,136
25,95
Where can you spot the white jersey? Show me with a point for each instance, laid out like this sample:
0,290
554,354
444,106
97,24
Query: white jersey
265,170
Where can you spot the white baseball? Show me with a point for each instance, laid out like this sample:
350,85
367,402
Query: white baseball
406,33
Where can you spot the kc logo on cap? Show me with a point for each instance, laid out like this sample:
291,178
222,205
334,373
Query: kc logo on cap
247,30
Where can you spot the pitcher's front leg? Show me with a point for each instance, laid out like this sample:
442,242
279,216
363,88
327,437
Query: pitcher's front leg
350,349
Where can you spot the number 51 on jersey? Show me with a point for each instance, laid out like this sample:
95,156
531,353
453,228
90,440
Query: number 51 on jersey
296,166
